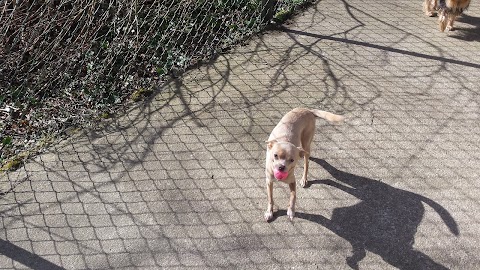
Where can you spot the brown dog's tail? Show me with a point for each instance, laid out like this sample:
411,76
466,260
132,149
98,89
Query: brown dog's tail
330,117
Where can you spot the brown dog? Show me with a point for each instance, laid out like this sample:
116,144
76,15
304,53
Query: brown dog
289,141
447,10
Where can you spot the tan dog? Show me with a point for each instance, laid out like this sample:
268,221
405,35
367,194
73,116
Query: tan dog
447,10
289,141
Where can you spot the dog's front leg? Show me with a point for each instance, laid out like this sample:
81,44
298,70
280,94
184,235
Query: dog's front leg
450,20
269,213
293,197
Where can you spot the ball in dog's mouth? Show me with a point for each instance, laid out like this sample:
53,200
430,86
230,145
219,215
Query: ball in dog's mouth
280,175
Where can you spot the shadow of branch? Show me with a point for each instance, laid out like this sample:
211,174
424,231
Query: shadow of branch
25,257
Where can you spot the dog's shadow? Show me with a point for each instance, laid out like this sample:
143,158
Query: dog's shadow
383,222
467,33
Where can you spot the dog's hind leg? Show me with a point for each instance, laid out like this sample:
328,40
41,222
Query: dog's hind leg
306,158
430,7
306,142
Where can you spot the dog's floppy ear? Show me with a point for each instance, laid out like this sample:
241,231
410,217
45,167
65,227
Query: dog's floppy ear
302,152
271,143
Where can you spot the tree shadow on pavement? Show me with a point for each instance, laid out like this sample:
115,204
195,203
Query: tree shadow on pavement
25,257
384,222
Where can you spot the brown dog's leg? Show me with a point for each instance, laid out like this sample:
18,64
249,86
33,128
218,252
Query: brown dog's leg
293,197
442,19
304,180
429,7
306,143
269,212
450,20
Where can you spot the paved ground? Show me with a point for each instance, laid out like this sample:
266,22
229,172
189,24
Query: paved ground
178,182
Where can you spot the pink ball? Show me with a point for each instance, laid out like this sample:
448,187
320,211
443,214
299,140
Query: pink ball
280,175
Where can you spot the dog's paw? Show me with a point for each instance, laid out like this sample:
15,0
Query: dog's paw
268,215
290,213
304,182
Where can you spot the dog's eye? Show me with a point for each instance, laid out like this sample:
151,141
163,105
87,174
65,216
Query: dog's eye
275,156
292,160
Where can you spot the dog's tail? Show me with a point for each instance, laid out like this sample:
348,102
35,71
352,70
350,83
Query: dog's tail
330,117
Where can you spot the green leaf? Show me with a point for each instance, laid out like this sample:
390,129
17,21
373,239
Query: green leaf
7,140
160,71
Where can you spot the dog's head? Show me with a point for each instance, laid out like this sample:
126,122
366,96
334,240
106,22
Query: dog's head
284,157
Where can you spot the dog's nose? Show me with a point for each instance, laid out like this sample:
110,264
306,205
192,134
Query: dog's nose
281,168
